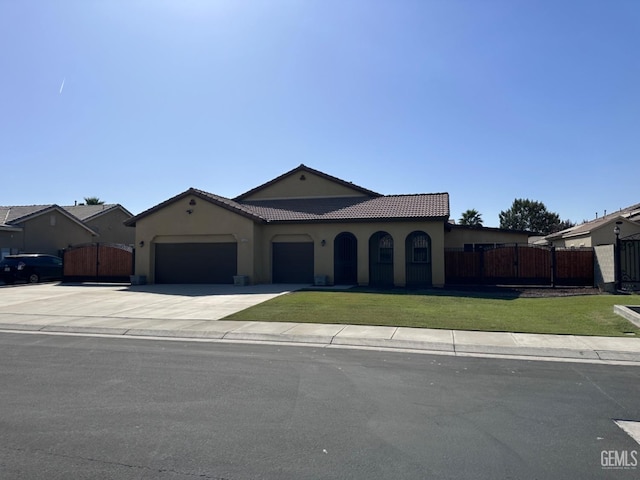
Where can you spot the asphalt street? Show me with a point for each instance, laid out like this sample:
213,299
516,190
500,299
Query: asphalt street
84,407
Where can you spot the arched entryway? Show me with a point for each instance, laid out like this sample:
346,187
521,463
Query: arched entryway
345,259
418,259
381,259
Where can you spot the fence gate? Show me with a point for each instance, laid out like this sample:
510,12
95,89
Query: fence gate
630,262
520,265
574,267
98,262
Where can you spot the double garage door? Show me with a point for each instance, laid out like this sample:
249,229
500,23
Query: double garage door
217,262
196,262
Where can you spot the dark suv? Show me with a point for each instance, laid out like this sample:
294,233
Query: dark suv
30,267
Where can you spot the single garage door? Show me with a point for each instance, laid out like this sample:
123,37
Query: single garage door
293,263
196,262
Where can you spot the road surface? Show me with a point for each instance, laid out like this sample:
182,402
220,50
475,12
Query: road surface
83,407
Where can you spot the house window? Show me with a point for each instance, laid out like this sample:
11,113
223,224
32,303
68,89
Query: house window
420,249
52,220
385,249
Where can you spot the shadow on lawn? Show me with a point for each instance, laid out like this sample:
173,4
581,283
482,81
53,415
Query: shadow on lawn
488,292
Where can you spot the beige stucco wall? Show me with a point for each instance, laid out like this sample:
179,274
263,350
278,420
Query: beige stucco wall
324,255
207,223
457,237
110,226
52,232
312,186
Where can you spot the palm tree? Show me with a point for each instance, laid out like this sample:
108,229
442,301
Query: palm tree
93,201
471,218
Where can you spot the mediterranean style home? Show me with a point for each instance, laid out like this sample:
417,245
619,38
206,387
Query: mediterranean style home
52,228
304,226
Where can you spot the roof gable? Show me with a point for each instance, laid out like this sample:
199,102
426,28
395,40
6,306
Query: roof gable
631,214
90,212
16,216
223,202
305,182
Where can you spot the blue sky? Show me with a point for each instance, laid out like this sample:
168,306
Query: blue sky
489,100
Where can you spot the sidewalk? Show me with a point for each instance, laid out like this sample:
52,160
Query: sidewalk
451,342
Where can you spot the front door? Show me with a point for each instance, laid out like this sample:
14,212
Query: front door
345,259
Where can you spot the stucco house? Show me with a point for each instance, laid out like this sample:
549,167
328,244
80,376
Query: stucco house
468,238
599,231
106,220
52,228
300,227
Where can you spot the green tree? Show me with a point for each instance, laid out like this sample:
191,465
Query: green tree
471,217
532,216
93,201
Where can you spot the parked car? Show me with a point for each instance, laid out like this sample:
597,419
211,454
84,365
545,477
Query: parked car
30,268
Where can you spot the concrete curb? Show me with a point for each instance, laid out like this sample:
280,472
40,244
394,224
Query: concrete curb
625,312
529,351
385,340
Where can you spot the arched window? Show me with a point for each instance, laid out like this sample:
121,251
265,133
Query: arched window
420,248
385,249
418,259
381,259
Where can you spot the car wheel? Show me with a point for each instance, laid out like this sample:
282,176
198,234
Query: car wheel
34,278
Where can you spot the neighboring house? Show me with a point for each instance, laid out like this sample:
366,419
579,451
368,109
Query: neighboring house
300,227
107,221
470,238
599,231
51,228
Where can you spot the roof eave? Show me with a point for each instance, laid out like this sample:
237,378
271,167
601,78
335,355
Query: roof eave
107,210
360,220
131,222
10,228
60,210
493,229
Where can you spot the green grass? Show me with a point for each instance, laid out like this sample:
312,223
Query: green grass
578,315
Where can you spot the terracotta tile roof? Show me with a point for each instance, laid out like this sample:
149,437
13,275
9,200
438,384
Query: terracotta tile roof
330,209
365,205
433,205
229,204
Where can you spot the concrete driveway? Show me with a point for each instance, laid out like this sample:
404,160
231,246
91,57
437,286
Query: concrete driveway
175,302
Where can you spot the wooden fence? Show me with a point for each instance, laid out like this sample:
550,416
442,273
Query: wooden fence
520,265
100,262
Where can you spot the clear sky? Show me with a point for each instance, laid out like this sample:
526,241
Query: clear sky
489,100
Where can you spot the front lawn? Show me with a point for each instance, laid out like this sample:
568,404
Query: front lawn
578,315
